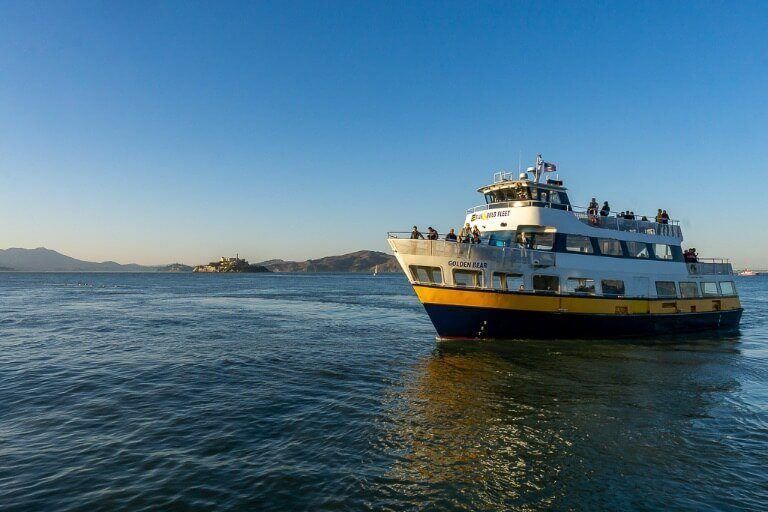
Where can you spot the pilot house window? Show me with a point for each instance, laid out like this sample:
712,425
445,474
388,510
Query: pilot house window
709,289
727,288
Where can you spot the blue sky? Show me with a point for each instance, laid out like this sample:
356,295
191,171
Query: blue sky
161,131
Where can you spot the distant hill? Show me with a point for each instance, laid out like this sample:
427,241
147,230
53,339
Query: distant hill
360,261
47,260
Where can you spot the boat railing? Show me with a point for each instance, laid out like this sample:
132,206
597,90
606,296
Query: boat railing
517,204
710,266
646,227
506,257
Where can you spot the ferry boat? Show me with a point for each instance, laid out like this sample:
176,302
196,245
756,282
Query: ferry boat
544,268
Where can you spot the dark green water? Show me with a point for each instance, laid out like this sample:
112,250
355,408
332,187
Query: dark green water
329,392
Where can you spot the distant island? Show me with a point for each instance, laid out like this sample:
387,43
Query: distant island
359,261
47,260
235,264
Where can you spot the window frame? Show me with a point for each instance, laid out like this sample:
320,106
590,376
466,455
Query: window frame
704,293
478,277
694,285
430,274
617,241
660,296
588,240
504,281
574,291
546,276
733,288
635,257
609,294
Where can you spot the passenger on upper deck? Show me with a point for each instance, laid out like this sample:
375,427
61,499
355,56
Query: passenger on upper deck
690,255
416,234
465,234
664,217
475,235
431,233
451,236
605,210
592,208
658,216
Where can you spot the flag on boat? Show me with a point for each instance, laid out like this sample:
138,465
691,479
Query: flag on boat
548,167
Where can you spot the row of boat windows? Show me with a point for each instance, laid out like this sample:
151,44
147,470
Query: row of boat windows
525,193
580,244
573,285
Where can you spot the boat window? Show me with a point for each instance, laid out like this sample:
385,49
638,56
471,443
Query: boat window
489,199
578,243
662,251
546,283
580,285
610,247
422,274
638,250
727,288
689,290
508,282
666,289
468,278
612,286
538,241
501,238
709,289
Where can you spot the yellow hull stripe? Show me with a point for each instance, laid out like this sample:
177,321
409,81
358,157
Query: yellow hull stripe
570,304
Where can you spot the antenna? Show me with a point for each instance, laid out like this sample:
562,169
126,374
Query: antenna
519,162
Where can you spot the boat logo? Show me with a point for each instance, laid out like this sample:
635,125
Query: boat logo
468,264
489,215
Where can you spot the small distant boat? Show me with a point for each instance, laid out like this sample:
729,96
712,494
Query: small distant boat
376,270
747,273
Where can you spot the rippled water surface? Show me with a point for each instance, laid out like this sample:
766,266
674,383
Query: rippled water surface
307,392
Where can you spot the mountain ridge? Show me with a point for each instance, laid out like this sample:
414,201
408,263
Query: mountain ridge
42,259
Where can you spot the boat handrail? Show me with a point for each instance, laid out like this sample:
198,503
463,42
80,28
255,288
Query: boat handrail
518,204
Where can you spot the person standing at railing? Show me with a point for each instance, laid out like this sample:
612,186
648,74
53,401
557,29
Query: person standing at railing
475,235
451,236
465,234
592,208
416,234
658,216
432,234
664,217
605,210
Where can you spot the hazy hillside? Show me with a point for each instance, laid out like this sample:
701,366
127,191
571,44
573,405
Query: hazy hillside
47,260
360,261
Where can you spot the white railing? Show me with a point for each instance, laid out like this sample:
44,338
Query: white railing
507,257
647,227
710,266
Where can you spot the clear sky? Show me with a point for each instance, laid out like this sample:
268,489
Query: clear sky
163,131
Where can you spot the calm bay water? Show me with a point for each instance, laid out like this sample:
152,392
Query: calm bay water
278,392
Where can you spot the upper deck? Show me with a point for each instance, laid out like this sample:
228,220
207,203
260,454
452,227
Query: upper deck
509,191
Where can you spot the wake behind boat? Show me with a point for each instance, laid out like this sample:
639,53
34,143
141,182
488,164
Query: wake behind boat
542,268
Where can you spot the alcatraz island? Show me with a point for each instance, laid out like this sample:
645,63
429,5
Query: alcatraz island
235,264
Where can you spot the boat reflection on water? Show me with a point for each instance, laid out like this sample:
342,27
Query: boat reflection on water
562,425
